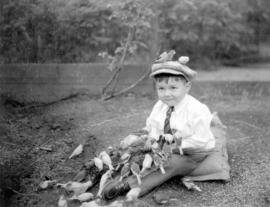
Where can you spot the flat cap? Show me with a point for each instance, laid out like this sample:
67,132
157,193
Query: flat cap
165,65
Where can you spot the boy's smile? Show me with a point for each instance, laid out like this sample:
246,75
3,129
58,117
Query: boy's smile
172,92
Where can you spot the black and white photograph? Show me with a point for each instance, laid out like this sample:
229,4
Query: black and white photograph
134,103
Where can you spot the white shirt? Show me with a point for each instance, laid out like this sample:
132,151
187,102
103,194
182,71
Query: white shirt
190,117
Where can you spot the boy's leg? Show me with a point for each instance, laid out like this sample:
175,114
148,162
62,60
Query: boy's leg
177,165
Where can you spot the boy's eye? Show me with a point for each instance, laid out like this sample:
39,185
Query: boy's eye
160,88
173,87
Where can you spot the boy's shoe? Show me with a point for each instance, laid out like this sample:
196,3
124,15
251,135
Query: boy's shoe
115,188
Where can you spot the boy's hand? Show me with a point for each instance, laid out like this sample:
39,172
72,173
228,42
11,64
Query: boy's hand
168,138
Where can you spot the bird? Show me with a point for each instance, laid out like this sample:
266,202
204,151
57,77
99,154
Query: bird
170,55
125,157
148,144
162,58
47,184
117,203
124,171
110,150
190,185
147,162
94,203
133,194
76,187
106,159
89,164
155,145
129,140
62,202
135,169
160,153
78,150
183,59
104,178
168,149
178,142
80,176
83,197
158,163
98,163
165,56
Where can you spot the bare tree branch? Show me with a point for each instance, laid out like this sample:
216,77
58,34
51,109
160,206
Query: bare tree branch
120,64
104,88
146,72
155,47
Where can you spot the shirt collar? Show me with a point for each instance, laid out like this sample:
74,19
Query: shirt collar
181,104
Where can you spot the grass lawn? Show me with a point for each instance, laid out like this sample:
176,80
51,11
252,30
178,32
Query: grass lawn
64,125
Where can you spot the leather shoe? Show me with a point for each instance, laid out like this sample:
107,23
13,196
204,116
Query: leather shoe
115,188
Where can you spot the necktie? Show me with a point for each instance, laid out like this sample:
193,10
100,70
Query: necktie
167,128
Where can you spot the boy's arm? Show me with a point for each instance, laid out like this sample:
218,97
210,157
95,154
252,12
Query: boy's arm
200,135
153,126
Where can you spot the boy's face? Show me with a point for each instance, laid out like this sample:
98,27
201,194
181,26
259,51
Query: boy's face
171,92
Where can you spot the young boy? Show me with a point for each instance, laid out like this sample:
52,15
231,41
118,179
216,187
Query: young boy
178,116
